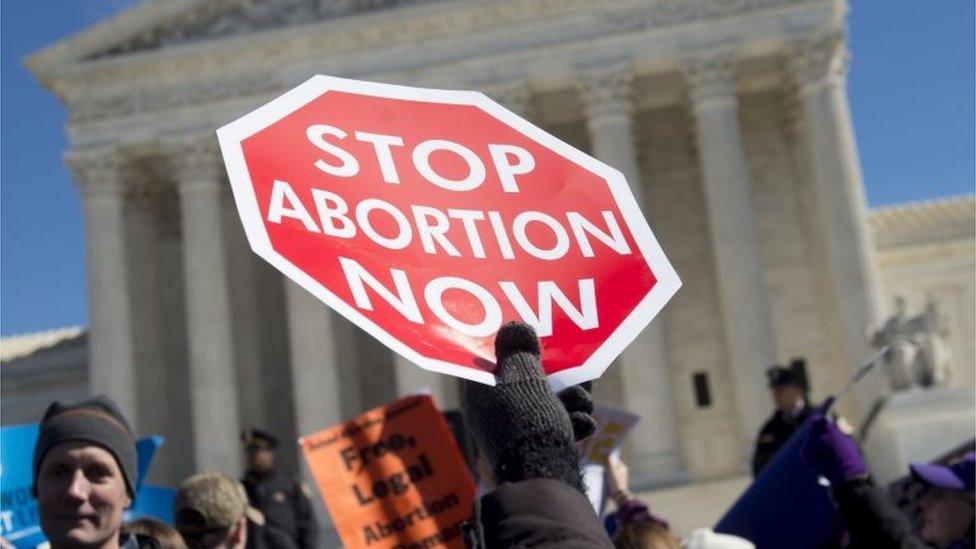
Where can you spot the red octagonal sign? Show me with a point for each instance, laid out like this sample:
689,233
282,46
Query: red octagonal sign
429,217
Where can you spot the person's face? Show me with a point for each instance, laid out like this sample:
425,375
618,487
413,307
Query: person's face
946,515
260,459
786,397
81,494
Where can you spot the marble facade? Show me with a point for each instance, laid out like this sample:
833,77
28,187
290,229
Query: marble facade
729,117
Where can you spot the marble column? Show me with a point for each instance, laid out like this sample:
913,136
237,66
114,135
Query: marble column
249,324
315,359
744,307
819,67
317,387
639,380
152,230
213,379
413,379
111,360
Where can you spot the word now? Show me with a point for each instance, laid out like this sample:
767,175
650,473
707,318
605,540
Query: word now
431,225
404,301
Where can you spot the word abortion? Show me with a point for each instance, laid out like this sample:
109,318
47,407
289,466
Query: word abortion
432,225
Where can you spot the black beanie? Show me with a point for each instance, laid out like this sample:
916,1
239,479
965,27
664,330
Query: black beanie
98,421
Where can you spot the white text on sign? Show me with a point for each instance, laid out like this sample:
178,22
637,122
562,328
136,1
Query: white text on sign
487,233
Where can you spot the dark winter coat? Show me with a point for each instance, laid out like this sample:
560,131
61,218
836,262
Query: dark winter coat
289,521
539,513
773,435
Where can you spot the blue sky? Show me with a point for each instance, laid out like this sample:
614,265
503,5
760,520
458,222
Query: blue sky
911,93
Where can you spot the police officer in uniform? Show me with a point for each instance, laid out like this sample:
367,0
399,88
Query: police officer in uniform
284,501
788,386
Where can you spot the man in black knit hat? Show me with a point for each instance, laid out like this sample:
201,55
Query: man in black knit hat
84,475
526,433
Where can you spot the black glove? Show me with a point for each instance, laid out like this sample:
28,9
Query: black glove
579,405
520,425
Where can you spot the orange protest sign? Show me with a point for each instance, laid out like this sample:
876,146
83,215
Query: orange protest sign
393,477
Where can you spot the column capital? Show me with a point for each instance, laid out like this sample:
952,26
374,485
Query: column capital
515,96
97,172
606,92
197,162
819,60
710,78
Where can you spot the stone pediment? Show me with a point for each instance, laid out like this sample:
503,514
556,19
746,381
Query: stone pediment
221,18
156,24
166,54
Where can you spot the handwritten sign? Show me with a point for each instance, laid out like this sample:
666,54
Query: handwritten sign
393,477
613,426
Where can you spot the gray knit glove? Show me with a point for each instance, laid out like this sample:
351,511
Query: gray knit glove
520,425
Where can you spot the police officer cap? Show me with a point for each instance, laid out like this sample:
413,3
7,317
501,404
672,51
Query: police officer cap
781,376
256,438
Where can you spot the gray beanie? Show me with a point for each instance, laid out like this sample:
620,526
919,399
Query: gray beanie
98,421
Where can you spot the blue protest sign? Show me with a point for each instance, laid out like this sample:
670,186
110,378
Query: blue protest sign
19,519
145,451
19,522
786,506
154,502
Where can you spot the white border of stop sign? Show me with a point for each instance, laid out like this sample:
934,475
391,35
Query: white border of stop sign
232,135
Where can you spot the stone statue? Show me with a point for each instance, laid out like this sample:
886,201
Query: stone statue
917,354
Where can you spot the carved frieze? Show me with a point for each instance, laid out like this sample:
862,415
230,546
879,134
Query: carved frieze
206,74
181,94
224,18
235,17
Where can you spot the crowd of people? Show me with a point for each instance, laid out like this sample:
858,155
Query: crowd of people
84,466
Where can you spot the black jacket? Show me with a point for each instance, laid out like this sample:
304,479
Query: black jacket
873,521
539,513
773,435
289,519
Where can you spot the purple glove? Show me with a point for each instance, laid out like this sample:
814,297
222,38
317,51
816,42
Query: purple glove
831,453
